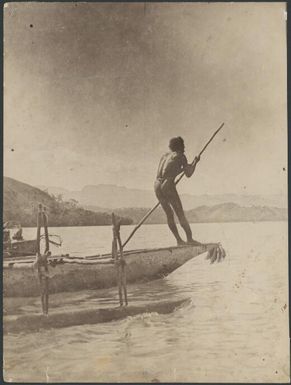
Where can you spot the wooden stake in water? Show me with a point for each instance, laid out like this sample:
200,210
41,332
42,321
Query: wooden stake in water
42,264
119,261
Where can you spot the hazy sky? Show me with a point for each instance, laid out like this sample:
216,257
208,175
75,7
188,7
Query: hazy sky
94,91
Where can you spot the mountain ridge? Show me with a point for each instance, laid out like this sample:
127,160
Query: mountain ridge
21,201
105,195
221,213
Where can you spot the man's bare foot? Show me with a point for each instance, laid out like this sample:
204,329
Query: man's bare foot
181,243
192,242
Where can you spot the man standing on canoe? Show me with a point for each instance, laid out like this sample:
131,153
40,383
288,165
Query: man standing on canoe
172,164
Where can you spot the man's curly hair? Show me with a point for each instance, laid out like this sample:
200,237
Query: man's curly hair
176,144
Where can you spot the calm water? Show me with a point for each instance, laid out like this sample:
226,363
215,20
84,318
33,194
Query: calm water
234,328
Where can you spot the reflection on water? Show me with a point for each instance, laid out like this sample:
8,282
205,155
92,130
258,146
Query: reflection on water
234,328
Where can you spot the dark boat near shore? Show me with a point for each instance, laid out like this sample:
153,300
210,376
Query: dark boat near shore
16,246
68,274
21,248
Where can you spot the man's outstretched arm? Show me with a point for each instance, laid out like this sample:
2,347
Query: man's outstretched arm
190,168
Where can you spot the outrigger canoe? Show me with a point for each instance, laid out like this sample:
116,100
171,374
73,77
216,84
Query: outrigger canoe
69,274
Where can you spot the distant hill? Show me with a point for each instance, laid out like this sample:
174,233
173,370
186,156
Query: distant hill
21,201
225,212
232,212
21,204
112,196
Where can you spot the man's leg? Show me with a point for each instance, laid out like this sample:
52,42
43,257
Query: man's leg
171,221
169,212
177,206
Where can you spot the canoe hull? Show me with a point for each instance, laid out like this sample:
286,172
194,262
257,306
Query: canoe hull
21,280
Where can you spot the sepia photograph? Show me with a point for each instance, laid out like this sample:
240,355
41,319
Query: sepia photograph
145,192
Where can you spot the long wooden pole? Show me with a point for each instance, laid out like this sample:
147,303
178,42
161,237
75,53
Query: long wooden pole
176,182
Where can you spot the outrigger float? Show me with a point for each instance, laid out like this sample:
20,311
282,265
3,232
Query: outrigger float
36,322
